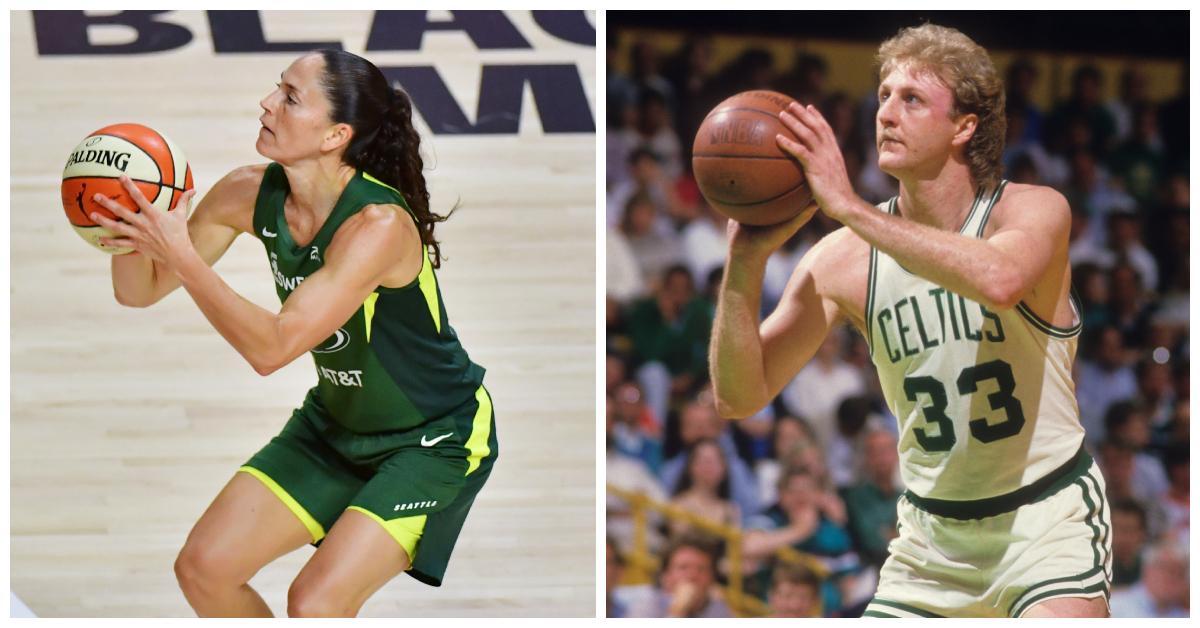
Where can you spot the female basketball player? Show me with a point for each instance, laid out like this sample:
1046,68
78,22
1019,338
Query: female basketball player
380,464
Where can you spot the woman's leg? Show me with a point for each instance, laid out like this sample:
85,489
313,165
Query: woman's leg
357,558
246,527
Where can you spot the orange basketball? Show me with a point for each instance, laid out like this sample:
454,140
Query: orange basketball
155,164
738,166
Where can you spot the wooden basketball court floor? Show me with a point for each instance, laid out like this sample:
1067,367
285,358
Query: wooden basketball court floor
126,422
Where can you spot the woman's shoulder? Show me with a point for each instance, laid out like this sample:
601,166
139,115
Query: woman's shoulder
244,179
382,219
241,184
231,199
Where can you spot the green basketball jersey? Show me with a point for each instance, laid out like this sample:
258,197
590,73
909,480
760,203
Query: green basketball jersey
396,363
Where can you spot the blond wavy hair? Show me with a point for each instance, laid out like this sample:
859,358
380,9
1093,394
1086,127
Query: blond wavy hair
966,69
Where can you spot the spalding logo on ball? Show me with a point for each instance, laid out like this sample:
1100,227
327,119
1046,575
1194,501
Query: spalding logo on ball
154,163
738,166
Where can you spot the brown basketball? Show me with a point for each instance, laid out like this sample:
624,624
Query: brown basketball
738,166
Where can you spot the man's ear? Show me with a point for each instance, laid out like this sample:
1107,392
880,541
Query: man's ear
966,127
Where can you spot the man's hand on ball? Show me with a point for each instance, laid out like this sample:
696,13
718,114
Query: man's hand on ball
748,241
160,235
817,150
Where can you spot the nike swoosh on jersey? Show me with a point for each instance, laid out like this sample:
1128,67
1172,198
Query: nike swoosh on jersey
267,234
431,443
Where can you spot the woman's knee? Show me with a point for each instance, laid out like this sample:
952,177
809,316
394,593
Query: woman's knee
311,597
201,568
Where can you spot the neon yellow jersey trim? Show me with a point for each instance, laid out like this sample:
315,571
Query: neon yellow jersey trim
426,279
481,428
369,312
315,529
368,177
428,283
406,530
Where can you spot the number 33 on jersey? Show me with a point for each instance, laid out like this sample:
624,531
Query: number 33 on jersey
984,399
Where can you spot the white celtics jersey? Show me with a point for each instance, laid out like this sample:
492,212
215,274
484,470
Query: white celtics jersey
985,399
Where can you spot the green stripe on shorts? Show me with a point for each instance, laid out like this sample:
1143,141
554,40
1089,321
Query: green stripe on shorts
1098,587
1037,592
903,607
1104,542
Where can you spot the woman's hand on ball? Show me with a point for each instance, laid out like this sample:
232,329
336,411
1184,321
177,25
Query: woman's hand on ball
162,236
818,151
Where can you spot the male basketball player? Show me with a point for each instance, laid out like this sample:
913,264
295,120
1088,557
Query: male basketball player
961,287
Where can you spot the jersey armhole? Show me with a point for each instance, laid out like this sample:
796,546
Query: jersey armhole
889,207
1052,330
400,201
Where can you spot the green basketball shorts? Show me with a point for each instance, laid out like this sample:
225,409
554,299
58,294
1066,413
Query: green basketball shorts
418,484
1057,545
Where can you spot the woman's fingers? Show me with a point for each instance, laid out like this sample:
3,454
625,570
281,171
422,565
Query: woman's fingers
119,242
134,193
185,203
115,226
118,210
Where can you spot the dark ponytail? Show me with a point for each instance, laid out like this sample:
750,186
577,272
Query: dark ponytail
384,143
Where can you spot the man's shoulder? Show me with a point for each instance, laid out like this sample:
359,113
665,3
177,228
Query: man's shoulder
1030,191
1027,196
1025,202
838,248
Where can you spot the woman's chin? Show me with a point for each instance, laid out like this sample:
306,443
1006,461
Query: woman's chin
261,148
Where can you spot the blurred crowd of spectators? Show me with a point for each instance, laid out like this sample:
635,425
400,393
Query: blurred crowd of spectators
817,469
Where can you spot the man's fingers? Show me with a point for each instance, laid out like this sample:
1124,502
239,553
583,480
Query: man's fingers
821,125
816,128
792,147
802,129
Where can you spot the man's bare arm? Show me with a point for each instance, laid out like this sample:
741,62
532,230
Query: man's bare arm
999,271
750,363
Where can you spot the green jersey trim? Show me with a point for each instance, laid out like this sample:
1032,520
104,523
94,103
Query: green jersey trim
1048,329
871,300
1053,482
971,214
991,204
